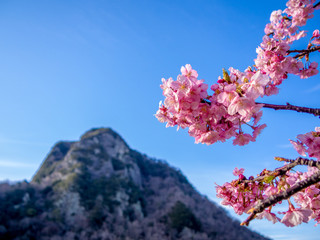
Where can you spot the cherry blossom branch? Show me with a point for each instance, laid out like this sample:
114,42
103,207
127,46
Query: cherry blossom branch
262,205
277,172
304,52
300,161
284,169
288,106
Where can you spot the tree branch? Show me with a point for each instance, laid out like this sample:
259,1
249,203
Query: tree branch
314,111
281,196
303,52
300,161
277,172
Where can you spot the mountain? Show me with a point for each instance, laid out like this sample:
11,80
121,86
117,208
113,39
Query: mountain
99,188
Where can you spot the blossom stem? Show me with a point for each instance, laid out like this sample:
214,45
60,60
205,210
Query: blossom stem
281,196
288,106
300,161
303,52
277,172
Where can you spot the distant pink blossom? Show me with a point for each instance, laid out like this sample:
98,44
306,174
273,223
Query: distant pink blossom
188,71
315,34
237,172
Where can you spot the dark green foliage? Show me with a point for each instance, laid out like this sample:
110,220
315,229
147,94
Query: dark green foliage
96,216
84,155
63,147
85,160
90,188
213,235
14,205
117,164
57,153
156,168
46,169
21,202
65,184
181,216
95,132
98,131
129,213
135,195
56,215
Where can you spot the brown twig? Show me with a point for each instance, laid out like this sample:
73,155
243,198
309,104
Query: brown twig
281,196
314,111
277,172
300,161
303,52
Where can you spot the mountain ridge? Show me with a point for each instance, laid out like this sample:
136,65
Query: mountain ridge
100,188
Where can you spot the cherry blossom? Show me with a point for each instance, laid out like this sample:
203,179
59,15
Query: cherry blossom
228,109
295,217
238,172
308,143
269,216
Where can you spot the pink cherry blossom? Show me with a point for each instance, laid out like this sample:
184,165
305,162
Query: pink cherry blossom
269,216
295,217
230,111
237,172
243,139
240,105
315,34
308,143
257,85
188,71
300,148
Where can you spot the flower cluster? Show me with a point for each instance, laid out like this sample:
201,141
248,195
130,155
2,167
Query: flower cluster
308,143
231,111
240,195
183,98
216,117
309,198
280,33
244,194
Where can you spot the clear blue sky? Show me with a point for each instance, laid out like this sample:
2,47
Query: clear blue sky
68,66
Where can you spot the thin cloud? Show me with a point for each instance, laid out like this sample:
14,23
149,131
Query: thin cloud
22,142
285,146
314,89
15,164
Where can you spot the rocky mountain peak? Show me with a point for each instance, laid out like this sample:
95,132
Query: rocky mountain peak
108,139
100,150
99,188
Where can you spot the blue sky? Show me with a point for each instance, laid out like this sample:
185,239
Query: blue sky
69,66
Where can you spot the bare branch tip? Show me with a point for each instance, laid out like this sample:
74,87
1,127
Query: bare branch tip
280,159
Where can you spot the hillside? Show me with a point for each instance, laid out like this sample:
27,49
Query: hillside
99,188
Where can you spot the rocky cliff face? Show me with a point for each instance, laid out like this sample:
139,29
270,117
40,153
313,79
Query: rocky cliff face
99,188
